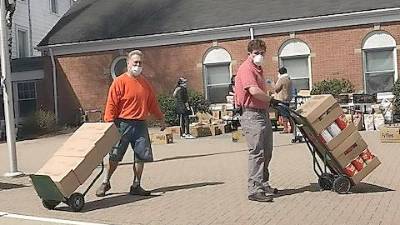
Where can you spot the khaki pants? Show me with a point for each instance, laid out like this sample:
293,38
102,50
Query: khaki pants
258,132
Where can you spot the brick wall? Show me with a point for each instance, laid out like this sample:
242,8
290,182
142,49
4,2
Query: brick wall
335,54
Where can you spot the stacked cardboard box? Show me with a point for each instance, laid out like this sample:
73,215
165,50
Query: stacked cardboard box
74,162
390,133
175,130
342,139
200,130
161,138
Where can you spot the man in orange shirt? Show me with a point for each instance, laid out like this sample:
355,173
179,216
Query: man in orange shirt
130,101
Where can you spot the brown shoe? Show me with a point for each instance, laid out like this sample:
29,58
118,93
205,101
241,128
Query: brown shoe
101,191
260,197
138,190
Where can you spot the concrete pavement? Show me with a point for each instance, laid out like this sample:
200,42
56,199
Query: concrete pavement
203,181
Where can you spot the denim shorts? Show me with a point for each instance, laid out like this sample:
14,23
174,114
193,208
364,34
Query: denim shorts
132,132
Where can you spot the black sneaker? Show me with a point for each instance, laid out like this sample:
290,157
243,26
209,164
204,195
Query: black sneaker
271,190
101,191
138,190
260,197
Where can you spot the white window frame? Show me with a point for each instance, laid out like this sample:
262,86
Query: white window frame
216,56
26,30
51,7
114,63
298,49
385,45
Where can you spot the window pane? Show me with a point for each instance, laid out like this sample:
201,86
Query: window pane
218,74
379,82
296,67
26,90
120,67
217,94
27,107
22,44
301,84
53,6
379,60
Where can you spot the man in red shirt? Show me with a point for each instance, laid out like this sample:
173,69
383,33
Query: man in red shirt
130,101
251,97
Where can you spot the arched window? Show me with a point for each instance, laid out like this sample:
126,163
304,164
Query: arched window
118,66
295,56
217,74
380,62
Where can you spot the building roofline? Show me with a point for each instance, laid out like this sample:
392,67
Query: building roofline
236,31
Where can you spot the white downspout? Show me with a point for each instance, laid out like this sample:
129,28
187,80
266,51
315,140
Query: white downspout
53,63
251,33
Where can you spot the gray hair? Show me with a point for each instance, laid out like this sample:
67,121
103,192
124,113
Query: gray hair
135,52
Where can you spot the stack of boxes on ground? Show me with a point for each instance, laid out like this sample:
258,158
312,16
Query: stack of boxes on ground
211,124
331,131
75,161
165,137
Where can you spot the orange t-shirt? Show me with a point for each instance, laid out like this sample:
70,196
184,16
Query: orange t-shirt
131,98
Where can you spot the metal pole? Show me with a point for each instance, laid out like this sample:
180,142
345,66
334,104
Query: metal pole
53,63
7,93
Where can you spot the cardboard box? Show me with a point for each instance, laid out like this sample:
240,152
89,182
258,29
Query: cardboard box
316,106
200,131
175,130
216,114
76,159
217,129
366,170
90,143
348,156
354,138
238,136
327,118
336,141
161,138
59,169
390,134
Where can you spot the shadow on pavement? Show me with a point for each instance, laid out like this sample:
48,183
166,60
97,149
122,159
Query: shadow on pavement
6,186
116,199
186,186
368,188
314,187
189,156
108,202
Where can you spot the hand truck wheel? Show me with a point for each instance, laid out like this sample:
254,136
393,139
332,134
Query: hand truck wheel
50,204
76,201
325,181
341,184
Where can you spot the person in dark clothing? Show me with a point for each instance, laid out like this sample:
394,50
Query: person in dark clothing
182,107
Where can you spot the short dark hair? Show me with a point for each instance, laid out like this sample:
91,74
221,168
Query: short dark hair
282,70
256,44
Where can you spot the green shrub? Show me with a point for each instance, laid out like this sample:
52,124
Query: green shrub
333,87
167,105
198,102
396,101
40,122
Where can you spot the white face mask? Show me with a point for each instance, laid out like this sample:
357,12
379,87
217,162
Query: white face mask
136,70
258,59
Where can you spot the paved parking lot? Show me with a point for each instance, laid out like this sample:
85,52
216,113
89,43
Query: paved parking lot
203,181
